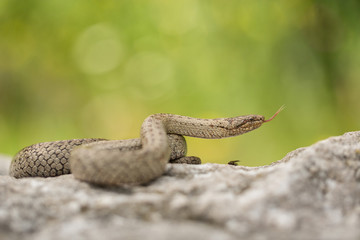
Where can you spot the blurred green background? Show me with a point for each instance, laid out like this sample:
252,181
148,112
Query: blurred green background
75,69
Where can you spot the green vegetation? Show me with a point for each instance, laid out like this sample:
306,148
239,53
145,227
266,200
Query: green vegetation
74,69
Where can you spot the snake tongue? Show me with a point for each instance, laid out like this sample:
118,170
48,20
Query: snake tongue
277,112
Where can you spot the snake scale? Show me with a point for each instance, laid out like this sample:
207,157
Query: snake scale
132,161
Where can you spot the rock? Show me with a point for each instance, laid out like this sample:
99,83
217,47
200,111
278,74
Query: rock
312,193
4,164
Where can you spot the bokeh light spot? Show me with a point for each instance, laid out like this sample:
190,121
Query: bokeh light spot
177,17
98,49
151,75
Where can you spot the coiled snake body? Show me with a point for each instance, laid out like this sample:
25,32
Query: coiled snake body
133,161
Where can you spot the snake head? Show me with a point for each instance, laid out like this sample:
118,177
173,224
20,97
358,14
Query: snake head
243,124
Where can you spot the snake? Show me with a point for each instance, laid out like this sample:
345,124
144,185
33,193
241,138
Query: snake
132,161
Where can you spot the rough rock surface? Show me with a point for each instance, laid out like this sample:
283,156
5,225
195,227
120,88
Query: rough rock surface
313,193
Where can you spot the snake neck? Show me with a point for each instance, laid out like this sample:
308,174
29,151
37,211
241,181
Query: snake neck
209,128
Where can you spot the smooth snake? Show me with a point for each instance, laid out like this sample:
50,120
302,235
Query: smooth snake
132,161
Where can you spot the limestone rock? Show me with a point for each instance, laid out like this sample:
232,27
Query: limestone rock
312,193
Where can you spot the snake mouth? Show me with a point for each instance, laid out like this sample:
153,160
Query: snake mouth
251,125
243,124
243,127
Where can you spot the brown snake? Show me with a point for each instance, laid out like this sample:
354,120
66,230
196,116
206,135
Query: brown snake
133,161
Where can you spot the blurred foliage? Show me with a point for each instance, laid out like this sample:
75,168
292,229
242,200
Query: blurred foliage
74,69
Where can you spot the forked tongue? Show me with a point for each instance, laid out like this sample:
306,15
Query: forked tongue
277,112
